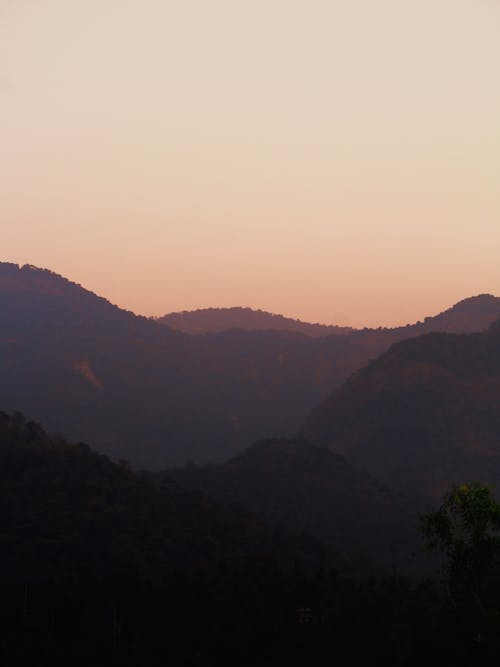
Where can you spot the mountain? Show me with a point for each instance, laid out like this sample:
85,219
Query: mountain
67,511
215,320
136,389
470,315
423,415
100,566
467,316
294,483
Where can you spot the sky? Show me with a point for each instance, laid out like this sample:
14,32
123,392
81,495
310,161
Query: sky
333,160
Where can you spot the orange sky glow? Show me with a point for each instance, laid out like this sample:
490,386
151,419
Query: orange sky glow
337,161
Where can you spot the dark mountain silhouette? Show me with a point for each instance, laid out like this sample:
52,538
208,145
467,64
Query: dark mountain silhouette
423,415
138,390
100,566
67,511
467,316
215,320
304,487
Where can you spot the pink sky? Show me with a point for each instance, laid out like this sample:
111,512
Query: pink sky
337,161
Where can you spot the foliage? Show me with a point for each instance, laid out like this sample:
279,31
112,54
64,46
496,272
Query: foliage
466,530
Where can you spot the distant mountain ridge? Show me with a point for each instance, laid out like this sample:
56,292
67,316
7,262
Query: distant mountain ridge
472,314
216,320
136,389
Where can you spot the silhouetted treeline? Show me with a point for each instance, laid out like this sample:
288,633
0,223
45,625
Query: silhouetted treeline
254,615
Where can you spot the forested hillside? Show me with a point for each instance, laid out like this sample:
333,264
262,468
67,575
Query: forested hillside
425,414
69,512
100,566
304,487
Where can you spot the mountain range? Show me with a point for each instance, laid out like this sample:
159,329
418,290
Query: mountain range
245,552
467,316
136,389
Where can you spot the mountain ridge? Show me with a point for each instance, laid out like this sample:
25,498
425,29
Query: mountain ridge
215,320
139,390
485,307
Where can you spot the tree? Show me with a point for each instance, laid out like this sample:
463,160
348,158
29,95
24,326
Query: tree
466,530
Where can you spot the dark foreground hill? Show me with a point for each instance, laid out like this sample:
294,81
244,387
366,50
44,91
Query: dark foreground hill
100,567
423,415
304,487
138,390
68,512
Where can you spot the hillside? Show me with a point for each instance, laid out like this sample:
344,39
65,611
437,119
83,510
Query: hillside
215,320
101,566
424,414
67,511
138,390
470,315
304,487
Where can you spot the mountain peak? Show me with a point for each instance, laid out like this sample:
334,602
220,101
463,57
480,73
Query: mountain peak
472,314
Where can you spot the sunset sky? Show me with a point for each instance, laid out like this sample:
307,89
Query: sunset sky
333,160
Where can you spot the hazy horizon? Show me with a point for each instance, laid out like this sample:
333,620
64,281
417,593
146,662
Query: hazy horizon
333,162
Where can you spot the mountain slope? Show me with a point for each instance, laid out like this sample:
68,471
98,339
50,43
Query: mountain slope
67,511
470,315
304,487
101,567
424,414
138,390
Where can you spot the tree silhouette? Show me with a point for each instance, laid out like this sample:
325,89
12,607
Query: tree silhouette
466,530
